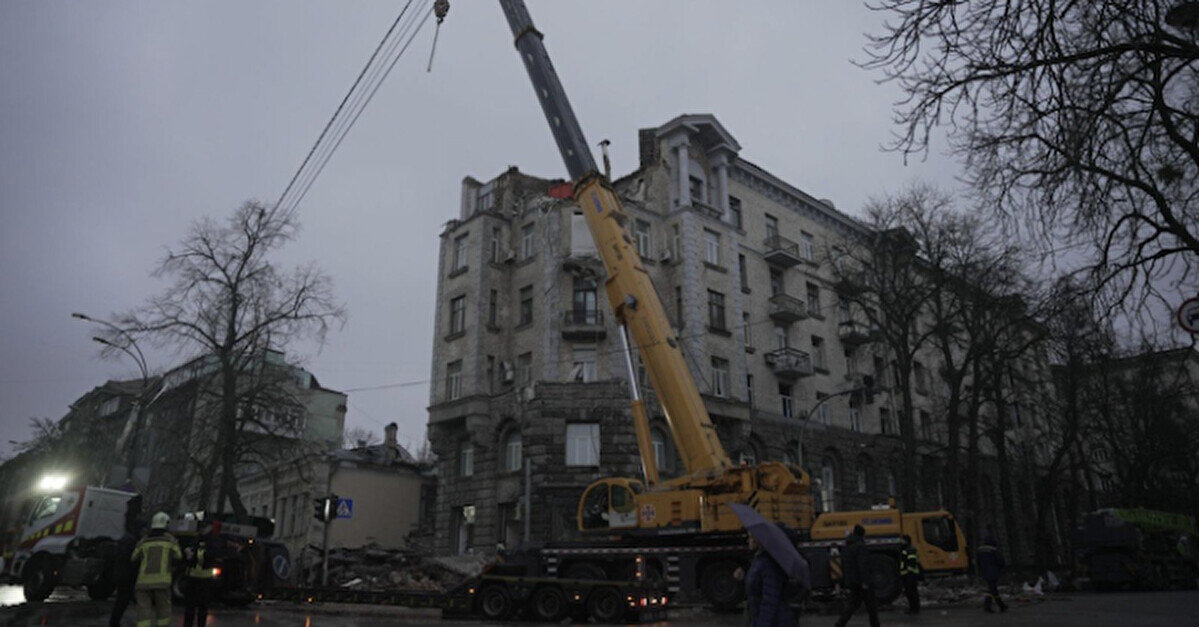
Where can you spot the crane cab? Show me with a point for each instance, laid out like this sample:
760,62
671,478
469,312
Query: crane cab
610,503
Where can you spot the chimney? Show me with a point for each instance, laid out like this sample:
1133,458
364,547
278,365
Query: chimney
390,448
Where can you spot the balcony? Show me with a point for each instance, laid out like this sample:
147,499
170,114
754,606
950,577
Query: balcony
787,309
781,251
704,208
854,333
583,325
789,363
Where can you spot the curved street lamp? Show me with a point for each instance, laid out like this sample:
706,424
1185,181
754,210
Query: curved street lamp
130,348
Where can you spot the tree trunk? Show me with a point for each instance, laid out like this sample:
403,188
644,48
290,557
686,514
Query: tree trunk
1010,506
907,433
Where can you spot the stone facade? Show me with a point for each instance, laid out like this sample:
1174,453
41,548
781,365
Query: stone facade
525,343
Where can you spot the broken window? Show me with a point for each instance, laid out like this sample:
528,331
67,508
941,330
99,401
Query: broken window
720,376
583,368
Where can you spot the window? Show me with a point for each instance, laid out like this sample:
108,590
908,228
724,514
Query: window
855,418
716,311
512,452
749,388
466,459
712,247
822,412
582,444
526,305
787,400
735,212
526,241
776,282
524,368
583,368
851,361
921,377
720,376
814,300
828,492
819,359
459,253
926,425
743,272
583,305
891,485
581,242
110,406
493,308
1105,483
940,532
658,440
1099,454
885,423
697,189
782,339
745,332
485,201
807,248
497,249
458,315
844,314
453,380
881,378
491,373
748,456
641,234
772,227
861,480
678,307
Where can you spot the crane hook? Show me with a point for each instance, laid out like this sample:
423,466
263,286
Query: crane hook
440,9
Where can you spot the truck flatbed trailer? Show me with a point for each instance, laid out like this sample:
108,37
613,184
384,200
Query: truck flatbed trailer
497,596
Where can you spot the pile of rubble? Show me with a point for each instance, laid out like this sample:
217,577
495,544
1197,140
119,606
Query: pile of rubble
964,589
375,568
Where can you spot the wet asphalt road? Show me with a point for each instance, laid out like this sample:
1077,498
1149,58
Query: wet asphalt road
1063,610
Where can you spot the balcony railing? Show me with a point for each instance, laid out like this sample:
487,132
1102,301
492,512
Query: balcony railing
781,251
787,309
706,209
789,363
583,324
854,333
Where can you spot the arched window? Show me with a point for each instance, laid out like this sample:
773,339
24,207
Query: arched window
749,455
828,482
791,453
513,459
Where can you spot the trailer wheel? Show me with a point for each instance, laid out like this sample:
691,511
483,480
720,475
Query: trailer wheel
38,579
605,606
548,604
720,587
884,577
495,602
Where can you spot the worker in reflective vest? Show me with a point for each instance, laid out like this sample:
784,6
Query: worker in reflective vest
910,574
155,556
203,570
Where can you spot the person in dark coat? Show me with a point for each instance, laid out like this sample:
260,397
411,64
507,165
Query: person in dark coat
765,583
855,577
910,574
990,565
123,573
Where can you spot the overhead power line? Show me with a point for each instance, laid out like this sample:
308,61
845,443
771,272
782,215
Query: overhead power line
395,42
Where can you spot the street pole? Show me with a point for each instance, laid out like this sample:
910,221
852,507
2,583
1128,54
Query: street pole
325,550
528,498
803,430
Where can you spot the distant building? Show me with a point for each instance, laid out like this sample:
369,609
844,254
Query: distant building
391,493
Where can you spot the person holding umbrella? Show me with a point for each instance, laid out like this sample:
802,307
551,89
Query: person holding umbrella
776,564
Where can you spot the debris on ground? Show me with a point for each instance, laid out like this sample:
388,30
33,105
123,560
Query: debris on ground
376,568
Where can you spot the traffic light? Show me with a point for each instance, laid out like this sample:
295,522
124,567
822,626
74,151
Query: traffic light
322,508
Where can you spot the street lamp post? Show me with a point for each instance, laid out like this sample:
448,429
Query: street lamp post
140,359
867,386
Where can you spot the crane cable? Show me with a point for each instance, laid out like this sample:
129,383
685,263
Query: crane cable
440,8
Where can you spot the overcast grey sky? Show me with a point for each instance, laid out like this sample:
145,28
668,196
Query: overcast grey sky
121,122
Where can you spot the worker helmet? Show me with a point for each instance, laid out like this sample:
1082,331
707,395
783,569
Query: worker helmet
160,521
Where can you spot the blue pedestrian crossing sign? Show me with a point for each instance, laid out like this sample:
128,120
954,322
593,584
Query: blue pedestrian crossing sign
345,508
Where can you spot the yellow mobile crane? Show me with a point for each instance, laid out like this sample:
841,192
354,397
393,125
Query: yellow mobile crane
683,529
697,501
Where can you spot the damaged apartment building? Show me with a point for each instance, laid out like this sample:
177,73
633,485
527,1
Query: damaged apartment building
527,362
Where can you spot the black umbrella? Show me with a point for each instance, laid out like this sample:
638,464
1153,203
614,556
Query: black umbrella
775,541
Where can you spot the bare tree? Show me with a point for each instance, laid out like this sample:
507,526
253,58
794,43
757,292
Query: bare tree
229,302
1078,120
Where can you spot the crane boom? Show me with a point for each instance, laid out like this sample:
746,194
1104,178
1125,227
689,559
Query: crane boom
631,293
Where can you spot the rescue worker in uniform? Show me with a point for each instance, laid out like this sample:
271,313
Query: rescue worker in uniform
855,560
909,573
155,556
990,564
200,580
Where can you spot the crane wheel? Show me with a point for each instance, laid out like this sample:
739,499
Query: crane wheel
884,577
495,602
605,605
548,604
724,591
